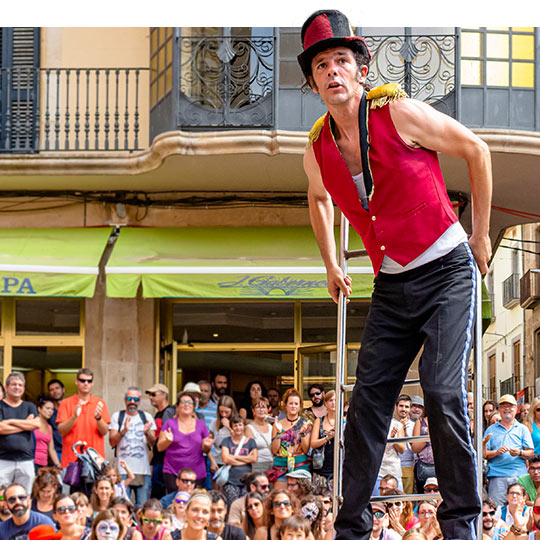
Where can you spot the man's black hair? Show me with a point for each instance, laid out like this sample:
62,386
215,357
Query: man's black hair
57,381
315,385
404,397
217,496
534,459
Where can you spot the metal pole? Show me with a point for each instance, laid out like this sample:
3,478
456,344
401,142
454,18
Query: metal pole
340,365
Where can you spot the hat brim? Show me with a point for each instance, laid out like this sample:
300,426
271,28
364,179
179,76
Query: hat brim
356,43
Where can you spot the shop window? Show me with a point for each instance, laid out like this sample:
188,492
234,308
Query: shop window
269,322
48,316
161,61
498,57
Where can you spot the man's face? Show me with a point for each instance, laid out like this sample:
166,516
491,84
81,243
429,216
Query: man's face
488,517
387,485
262,485
206,392
273,398
507,411
220,385
157,398
534,472
15,388
132,400
217,515
4,510
403,409
292,485
56,391
17,500
416,412
317,397
335,75
84,383
186,482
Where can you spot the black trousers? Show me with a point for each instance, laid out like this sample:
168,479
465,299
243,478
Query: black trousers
431,306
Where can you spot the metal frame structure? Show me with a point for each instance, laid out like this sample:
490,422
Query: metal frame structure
342,388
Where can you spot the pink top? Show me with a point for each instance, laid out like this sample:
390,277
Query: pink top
42,447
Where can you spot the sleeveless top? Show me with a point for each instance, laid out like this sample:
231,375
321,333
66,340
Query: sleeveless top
177,535
327,470
263,442
157,536
42,446
536,438
426,454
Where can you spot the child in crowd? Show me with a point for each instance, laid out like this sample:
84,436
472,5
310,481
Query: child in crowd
294,528
120,485
150,518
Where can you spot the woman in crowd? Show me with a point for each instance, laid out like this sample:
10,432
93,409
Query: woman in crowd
253,514
401,516
179,505
516,495
65,514
322,438
427,516
533,423
312,509
107,526
46,487
124,509
488,408
84,510
102,494
424,468
414,534
290,440
197,517
150,526
254,390
279,505
239,452
43,434
110,471
185,440
261,431
220,428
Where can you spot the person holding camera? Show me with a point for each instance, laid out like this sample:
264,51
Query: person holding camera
261,430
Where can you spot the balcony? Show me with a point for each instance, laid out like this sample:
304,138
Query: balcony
511,291
530,289
73,109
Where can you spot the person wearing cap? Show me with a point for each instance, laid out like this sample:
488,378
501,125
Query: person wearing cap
159,398
375,155
509,445
431,485
380,524
299,482
417,408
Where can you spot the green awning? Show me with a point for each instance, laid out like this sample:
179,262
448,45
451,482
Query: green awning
227,262
51,262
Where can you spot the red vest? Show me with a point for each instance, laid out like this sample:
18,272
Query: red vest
409,208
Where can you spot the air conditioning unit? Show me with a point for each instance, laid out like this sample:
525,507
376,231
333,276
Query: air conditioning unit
529,286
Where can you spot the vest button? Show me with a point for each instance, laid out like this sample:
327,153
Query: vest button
383,248
373,218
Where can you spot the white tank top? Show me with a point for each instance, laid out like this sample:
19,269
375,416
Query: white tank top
449,239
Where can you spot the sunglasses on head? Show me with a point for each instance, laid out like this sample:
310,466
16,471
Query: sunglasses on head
14,498
153,521
70,509
133,398
84,381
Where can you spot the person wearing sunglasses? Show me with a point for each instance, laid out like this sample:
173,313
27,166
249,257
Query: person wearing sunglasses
65,514
492,526
22,519
316,394
82,417
253,513
256,482
401,515
132,432
380,524
532,421
179,504
150,522
279,506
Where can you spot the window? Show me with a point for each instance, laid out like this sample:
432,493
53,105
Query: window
161,62
497,56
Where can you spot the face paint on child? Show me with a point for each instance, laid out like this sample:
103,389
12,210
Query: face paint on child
107,530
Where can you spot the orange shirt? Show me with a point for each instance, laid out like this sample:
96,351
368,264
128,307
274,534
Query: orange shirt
85,427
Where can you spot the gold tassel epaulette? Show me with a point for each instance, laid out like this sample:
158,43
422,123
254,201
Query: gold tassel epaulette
316,130
380,96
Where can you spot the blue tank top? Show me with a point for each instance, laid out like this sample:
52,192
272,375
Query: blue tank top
536,438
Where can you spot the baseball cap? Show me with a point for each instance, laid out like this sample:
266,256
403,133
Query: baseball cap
417,400
157,388
508,398
378,506
299,473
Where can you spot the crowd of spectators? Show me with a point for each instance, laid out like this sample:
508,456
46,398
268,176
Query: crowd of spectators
207,467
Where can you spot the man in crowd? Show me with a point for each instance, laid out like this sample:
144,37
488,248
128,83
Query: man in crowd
4,510
380,524
218,514
18,419
316,394
403,410
56,390
417,408
424,290
255,481
492,527
185,481
82,417
207,407
132,432
531,480
431,485
159,398
23,519
220,386
273,398
388,483
509,446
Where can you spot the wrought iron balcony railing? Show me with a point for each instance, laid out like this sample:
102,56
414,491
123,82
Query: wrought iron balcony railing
80,109
511,291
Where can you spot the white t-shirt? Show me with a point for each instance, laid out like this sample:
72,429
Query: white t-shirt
132,447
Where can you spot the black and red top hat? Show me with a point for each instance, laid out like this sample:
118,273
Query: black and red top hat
326,29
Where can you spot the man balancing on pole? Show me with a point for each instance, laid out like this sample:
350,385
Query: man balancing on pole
375,155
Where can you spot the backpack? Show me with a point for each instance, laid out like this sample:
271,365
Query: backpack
121,417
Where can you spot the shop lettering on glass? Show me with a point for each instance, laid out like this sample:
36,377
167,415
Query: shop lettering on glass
13,285
268,285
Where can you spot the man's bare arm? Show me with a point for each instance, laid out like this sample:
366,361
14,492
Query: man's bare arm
321,213
421,125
